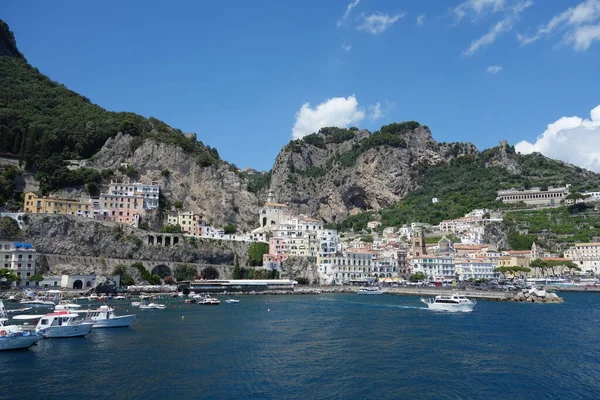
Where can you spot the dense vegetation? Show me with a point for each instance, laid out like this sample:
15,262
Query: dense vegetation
256,252
9,197
44,123
579,223
470,182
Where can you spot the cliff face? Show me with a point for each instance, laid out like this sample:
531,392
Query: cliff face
334,173
216,191
65,235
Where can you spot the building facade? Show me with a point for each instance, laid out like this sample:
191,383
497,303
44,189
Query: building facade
35,204
19,258
534,196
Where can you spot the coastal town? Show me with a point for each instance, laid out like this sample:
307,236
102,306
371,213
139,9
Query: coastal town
450,252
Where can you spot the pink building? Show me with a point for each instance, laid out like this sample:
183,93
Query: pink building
278,245
123,209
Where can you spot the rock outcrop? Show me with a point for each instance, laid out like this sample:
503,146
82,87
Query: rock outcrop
331,174
217,191
300,267
534,296
74,236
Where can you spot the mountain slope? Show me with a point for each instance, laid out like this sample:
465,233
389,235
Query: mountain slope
336,172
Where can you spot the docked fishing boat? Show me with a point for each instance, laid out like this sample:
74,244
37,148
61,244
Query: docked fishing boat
454,302
61,324
152,306
66,305
209,301
232,301
14,337
369,290
105,317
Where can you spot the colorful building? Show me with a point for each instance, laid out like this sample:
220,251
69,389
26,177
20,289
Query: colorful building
35,204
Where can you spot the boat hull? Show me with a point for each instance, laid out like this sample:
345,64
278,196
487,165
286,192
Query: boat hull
66,331
17,342
463,307
122,321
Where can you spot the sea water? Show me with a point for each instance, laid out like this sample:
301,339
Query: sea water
329,346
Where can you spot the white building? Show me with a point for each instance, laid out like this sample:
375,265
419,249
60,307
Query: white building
20,259
586,256
534,196
148,193
475,268
273,213
354,264
434,267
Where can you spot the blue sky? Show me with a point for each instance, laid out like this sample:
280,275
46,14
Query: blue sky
240,73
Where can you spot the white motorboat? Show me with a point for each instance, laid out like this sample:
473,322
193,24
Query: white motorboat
209,301
454,302
12,299
13,337
136,303
105,317
61,324
66,305
152,306
38,303
120,297
232,301
369,290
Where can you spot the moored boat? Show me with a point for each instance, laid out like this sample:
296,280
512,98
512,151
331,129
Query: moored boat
61,324
209,301
105,317
232,301
369,290
14,337
66,305
152,306
454,302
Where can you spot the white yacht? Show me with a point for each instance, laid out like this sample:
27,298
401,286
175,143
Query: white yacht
38,303
209,301
369,290
61,324
232,301
453,302
105,317
152,306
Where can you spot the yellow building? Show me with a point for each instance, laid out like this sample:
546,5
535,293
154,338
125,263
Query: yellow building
35,204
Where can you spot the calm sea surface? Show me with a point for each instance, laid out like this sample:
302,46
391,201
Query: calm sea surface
323,347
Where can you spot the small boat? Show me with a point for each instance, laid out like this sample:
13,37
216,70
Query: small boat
12,299
189,301
369,290
231,301
66,305
61,324
454,302
209,301
105,317
136,303
152,306
120,297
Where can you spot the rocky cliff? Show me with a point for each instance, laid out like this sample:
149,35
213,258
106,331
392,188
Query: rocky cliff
217,191
72,236
336,172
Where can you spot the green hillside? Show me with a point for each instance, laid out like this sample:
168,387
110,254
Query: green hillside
44,123
470,182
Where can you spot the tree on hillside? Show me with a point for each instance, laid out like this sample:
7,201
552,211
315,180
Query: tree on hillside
256,252
417,277
9,228
513,270
185,272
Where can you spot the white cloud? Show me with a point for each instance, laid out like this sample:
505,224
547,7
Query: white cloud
570,139
378,22
504,25
478,7
375,111
580,26
347,47
352,4
494,69
420,19
337,111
